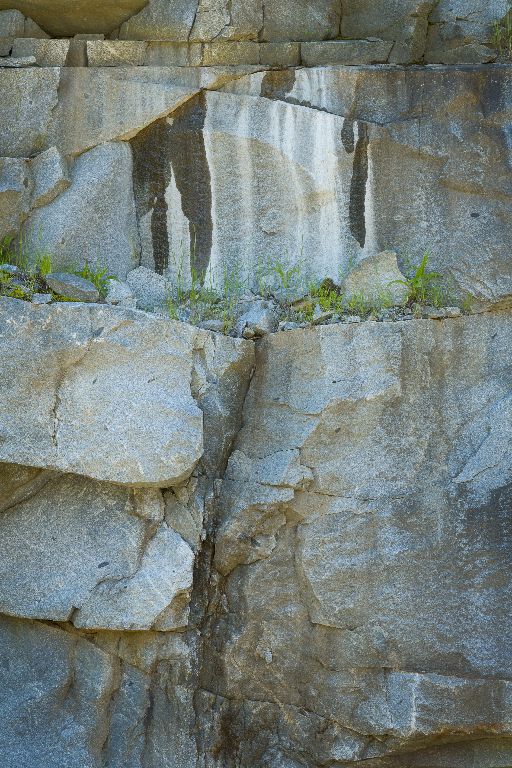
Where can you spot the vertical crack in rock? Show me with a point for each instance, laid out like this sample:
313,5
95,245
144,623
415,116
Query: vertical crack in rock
175,146
357,214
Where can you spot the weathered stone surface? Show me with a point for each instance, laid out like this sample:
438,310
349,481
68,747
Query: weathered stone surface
28,99
115,53
376,278
152,292
232,54
94,219
153,408
459,24
120,374
47,53
301,20
15,187
161,20
364,531
72,286
56,691
157,594
345,52
18,63
65,19
396,174
405,22
50,175
99,105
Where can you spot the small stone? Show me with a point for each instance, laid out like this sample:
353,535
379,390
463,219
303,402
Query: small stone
288,326
41,298
433,313
152,291
72,287
352,319
260,319
10,269
217,326
453,312
120,294
322,318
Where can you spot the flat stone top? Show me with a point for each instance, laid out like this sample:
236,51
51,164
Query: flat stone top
100,391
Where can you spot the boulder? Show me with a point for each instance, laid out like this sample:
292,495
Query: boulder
376,279
363,510
120,294
152,291
94,219
72,287
259,319
116,399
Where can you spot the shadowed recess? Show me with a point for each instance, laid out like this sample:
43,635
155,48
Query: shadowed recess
357,215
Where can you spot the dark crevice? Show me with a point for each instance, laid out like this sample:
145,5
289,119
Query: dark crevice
357,213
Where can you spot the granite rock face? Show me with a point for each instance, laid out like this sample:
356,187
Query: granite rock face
365,544
331,585
287,553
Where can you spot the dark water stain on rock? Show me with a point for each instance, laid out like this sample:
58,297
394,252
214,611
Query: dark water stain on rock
174,146
277,84
357,213
348,136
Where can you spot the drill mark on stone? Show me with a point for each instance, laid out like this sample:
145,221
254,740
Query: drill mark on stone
357,216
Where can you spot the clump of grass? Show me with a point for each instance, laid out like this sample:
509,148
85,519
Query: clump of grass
423,287
502,33
97,275
44,263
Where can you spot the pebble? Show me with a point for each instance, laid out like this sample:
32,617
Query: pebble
433,313
41,298
453,311
9,269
